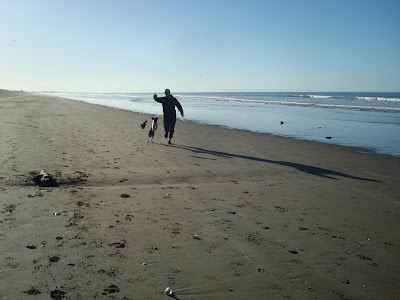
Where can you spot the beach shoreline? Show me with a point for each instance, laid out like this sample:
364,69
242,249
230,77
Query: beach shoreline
326,119
219,214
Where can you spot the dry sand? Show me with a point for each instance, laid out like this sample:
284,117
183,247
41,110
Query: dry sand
276,218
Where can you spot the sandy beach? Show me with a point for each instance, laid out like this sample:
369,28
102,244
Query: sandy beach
219,214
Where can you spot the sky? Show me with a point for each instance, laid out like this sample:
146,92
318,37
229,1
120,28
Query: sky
200,46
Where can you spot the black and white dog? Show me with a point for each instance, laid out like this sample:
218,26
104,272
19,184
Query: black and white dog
154,126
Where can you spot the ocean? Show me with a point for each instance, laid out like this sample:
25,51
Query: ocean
368,121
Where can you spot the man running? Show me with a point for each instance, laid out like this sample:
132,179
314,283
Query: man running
169,102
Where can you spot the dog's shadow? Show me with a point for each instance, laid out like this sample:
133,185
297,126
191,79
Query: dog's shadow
321,172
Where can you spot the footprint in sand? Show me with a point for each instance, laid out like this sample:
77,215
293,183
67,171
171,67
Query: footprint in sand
9,208
345,281
118,245
129,217
54,259
280,209
32,291
296,261
111,290
364,257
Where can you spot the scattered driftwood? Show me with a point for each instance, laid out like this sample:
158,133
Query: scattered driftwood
45,179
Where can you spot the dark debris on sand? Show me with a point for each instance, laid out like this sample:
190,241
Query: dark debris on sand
44,179
57,294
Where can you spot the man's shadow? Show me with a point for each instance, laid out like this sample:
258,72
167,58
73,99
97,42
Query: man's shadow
325,173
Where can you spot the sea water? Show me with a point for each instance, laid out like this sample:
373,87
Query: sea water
370,121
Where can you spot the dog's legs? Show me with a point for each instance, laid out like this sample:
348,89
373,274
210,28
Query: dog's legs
151,136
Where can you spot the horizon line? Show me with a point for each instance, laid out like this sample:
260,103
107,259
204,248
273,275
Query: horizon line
243,91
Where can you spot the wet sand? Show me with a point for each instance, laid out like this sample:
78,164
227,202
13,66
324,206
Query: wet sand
273,217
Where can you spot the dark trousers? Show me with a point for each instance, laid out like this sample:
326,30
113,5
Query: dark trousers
169,125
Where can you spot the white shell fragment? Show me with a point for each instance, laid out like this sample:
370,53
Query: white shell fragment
168,291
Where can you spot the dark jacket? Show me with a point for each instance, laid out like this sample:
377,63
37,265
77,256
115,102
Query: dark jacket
168,104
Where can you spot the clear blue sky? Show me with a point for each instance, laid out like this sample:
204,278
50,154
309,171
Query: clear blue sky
185,45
